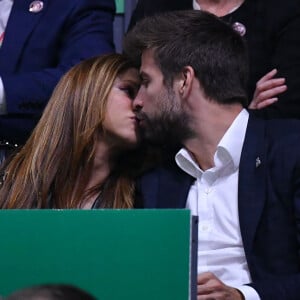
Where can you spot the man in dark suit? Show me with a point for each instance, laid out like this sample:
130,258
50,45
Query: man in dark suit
239,174
42,40
271,30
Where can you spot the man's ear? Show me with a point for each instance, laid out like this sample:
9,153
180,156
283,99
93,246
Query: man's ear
185,81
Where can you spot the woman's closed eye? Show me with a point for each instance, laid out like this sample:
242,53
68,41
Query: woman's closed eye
131,91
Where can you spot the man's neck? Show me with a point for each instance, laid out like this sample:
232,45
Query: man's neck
209,129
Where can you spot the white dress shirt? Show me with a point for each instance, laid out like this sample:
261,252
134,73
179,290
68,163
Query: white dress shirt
5,8
214,199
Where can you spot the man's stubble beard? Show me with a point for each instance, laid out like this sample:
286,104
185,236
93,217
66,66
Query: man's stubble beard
169,125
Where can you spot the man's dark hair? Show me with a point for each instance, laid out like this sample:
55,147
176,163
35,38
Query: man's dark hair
215,51
51,292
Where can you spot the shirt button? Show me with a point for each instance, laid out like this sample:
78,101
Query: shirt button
205,227
207,190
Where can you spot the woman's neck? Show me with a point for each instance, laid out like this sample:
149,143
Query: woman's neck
100,170
219,7
102,165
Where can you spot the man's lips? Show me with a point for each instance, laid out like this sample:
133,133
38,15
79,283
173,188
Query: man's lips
139,119
135,120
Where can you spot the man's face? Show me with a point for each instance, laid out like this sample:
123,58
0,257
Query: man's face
158,108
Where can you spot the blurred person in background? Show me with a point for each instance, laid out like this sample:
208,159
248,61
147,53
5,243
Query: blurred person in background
51,292
271,30
39,42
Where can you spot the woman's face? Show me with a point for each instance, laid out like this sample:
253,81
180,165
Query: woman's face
120,123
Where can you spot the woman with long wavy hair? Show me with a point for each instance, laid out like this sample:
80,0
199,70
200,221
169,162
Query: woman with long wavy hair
77,156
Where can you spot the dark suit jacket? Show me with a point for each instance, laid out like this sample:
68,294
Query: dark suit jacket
39,47
272,35
268,201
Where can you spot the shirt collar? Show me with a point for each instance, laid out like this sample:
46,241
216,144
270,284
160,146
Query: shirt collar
228,150
233,139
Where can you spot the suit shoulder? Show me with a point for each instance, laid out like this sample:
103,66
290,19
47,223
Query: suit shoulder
283,138
283,127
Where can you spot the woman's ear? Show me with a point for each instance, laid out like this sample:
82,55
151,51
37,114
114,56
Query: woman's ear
185,81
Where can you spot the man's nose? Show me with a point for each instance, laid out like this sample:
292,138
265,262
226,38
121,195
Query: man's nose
137,102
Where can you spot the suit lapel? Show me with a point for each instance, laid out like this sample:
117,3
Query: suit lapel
251,191
20,24
175,185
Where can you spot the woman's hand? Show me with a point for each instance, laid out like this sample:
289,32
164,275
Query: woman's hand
267,89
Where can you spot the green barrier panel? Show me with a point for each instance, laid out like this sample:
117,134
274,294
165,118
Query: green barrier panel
113,254
119,6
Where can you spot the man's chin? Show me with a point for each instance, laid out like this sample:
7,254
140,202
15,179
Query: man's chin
156,138
164,130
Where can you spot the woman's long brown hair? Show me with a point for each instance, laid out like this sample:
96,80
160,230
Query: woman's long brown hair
55,162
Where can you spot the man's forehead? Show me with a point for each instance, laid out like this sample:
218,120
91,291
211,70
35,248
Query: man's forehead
148,63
